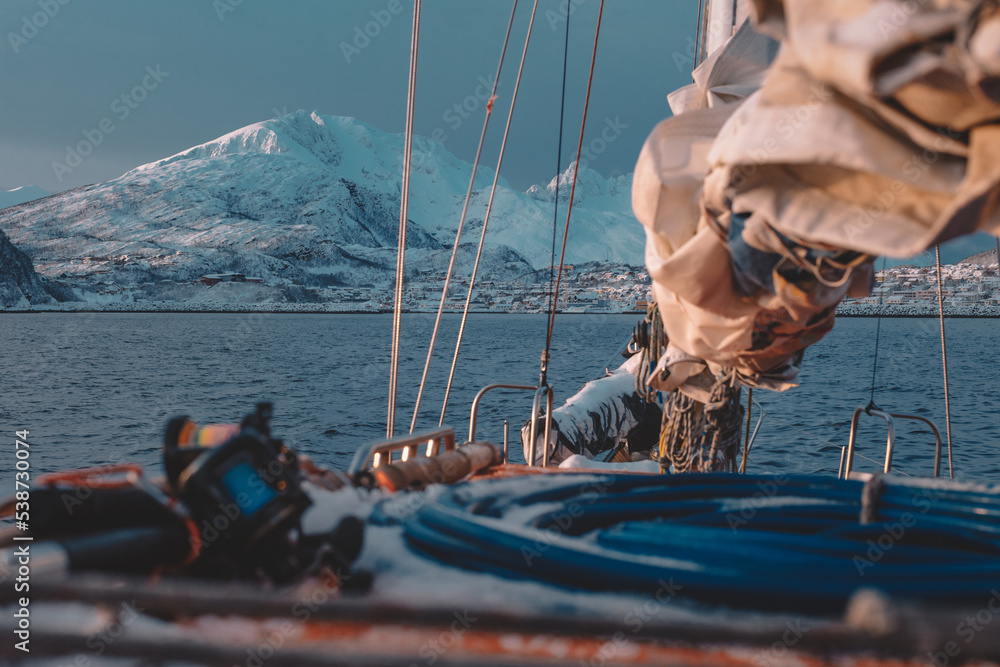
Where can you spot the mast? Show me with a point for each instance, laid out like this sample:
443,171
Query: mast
719,20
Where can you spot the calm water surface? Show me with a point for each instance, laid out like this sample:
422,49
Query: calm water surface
98,388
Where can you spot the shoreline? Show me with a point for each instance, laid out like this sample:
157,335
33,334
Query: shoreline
851,311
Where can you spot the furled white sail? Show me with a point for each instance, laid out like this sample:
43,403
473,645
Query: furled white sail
768,194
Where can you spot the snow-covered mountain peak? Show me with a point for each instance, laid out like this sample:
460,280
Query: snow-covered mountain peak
306,201
356,150
590,185
304,136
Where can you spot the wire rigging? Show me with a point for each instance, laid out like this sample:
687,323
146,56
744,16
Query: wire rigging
397,314
555,211
698,36
461,222
486,218
878,332
746,438
944,359
572,193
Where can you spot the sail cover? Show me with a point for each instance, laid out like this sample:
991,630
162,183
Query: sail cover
784,172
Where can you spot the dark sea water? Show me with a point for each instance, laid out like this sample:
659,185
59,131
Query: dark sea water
95,389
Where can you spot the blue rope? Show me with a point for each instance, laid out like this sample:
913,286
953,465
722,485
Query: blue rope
793,544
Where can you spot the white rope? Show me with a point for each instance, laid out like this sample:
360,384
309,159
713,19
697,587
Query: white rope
486,219
461,224
397,314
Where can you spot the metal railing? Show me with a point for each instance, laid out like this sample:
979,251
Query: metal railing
380,453
474,417
761,413
535,404
847,456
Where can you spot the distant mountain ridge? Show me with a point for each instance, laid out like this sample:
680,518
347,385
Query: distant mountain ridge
309,201
985,258
21,195
20,285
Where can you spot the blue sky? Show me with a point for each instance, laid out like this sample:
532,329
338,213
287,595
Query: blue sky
229,63
67,66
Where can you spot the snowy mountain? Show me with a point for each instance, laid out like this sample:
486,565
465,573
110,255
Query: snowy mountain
20,195
20,286
985,258
308,201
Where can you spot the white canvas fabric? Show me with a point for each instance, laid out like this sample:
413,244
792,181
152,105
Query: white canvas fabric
729,74
872,133
873,130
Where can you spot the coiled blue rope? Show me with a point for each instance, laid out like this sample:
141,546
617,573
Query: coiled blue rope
791,543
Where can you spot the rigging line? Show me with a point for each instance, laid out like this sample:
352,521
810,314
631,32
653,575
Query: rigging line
572,192
746,439
944,360
562,118
702,46
397,314
878,331
606,368
461,222
486,218
697,36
